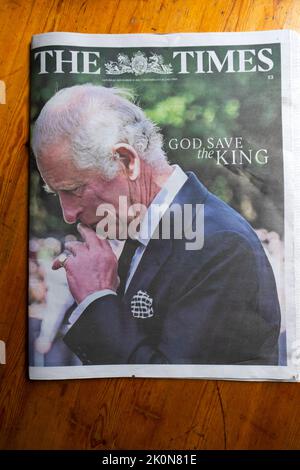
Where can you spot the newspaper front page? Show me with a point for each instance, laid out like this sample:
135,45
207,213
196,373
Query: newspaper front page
162,206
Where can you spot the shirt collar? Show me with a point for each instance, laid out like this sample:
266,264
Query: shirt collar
160,204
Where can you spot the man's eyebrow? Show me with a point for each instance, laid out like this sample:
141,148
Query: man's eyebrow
51,191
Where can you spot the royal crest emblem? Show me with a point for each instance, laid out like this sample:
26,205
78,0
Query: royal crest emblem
141,305
138,65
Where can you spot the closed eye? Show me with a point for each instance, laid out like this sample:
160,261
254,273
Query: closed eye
78,191
75,191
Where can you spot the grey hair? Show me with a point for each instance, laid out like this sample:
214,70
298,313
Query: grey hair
92,119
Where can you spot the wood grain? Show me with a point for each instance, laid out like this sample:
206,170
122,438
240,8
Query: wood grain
116,413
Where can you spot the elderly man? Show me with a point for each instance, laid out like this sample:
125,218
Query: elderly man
160,302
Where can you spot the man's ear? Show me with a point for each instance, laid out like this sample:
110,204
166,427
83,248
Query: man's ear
129,158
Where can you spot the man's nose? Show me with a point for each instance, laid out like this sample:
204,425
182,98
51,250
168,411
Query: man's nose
69,208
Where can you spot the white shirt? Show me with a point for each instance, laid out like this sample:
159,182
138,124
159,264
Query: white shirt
155,211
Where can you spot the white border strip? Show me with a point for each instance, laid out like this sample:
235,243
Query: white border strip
289,197
217,372
295,93
156,40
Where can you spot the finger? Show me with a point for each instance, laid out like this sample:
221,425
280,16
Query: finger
56,264
88,235
74,247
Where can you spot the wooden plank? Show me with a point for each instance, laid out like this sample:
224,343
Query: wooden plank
116,413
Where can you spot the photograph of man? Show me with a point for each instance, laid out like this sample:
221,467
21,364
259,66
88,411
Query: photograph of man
168,298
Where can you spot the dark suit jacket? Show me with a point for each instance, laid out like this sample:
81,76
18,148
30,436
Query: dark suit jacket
216,305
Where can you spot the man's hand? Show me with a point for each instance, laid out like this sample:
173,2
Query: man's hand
92,266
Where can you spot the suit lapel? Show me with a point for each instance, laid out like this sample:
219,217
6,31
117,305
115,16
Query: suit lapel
156,254
158,250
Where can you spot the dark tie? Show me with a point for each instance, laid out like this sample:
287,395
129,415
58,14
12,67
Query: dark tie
129,249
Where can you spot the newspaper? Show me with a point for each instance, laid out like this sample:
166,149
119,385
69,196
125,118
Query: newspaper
164,206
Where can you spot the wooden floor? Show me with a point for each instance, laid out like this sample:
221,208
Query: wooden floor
116,413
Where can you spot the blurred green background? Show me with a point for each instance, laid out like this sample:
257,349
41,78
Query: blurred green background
215,105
